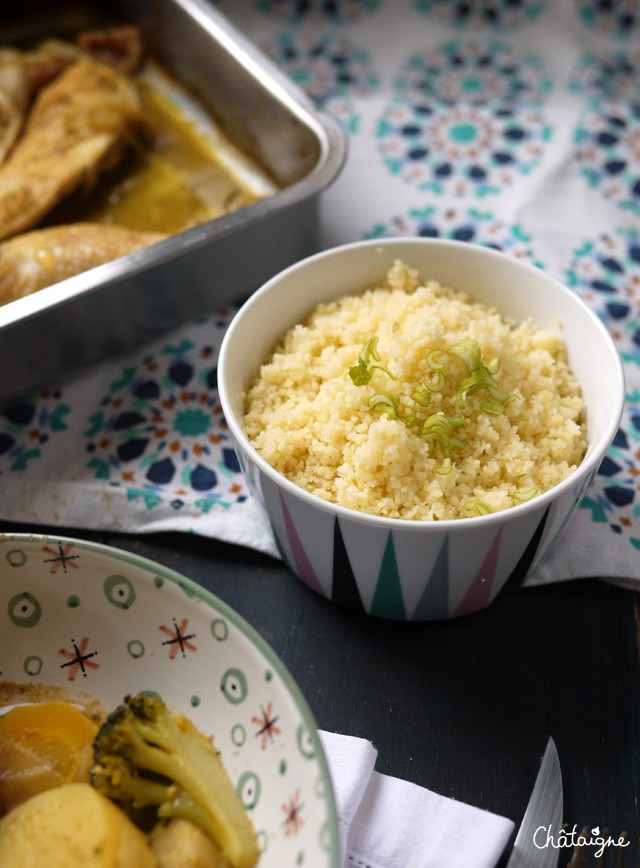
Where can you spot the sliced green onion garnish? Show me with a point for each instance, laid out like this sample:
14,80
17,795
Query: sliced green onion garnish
442,427
384,402
421,396
495,409
433,360
409,420
436,382
370,350
468,350
445,468
479,506
361,373
479,378
524,496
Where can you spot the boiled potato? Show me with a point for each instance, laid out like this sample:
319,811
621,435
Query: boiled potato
181,844
72,826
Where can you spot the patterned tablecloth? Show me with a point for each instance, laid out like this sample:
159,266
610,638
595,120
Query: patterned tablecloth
502,123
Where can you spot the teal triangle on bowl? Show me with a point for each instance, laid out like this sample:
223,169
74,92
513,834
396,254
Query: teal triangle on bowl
388,601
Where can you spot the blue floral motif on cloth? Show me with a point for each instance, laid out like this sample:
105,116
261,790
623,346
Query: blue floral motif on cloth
607,142
608,76
327,67
606,274
466,119
140,442
318,11
502,15
160,431
459,224
474,71
619,19
467,150
607,135
26,426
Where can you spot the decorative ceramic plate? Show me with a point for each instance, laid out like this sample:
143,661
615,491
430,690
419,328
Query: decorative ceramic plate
97,622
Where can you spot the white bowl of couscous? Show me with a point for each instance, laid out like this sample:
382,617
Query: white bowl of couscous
417,419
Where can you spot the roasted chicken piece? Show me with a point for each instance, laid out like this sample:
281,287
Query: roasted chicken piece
121,47
24,73
14,98
42,257
79,126
47,60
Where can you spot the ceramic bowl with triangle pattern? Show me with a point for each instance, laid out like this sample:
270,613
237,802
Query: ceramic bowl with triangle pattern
403,569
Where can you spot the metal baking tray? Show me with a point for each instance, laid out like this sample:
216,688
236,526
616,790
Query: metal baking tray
47,336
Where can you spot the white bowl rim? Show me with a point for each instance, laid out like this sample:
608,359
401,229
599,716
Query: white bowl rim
589,464
193,589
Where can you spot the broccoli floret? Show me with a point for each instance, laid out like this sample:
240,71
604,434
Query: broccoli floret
145,755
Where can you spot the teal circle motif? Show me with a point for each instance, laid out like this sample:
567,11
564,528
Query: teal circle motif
73,601
16,557
326,836
136,649
304,742
234,686
320,789
248,788
33,665
119,591
219,629
238,735
24,610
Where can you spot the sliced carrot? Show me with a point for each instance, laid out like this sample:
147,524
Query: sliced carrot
43,745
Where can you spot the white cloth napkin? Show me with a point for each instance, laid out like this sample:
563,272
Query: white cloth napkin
385,822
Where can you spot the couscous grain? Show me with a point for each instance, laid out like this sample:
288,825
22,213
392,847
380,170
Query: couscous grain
411,401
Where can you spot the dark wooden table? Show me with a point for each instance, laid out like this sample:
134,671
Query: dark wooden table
463,707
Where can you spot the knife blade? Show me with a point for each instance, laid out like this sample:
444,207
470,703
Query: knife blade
533,846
